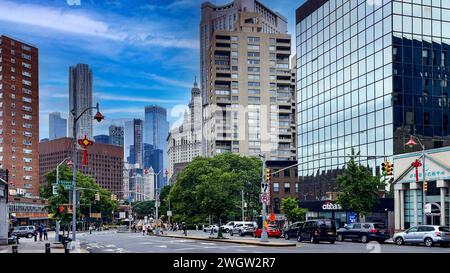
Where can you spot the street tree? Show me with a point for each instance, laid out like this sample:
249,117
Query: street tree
87,188
143,208
290,208
213,186
358,188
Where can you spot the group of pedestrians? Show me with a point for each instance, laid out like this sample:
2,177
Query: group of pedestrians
42,231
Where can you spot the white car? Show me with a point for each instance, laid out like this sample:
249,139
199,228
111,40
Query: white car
215,228
230,225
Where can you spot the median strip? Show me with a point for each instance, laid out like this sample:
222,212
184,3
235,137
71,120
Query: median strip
242,242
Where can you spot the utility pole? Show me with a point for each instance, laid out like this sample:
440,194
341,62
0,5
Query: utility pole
243,206
264,236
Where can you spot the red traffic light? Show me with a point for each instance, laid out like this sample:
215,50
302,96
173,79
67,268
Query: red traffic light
61,209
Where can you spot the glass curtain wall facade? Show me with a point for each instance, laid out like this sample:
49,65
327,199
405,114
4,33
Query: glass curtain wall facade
352,85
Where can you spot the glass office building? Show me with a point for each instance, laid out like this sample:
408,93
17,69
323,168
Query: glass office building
369,74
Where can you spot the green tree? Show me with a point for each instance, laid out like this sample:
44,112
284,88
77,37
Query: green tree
358,188
290,208
213,186
87,197
143,208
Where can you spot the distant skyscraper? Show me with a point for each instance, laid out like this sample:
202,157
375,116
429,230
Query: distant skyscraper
80,98
116,135
157,129
57,126
153,158
184,142
103,139
138,125
128,139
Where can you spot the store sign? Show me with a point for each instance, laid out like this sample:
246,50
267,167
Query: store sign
331,206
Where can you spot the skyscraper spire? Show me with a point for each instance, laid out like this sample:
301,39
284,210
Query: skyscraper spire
195,82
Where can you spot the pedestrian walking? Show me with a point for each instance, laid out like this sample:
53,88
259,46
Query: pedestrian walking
184,227
196,227
45,234
35,233
41,231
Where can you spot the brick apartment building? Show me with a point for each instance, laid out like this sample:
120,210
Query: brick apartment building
283,184
105,162
19,115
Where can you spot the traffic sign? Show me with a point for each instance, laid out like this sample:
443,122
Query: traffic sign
55,189
265,187
66,184
265,198
169,213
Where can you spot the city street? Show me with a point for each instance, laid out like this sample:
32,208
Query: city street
112,242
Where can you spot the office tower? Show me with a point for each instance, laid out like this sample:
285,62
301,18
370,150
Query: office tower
156,129
128,139
80,98
138,126
153,158
57,126
103,139
105,162
184,141
19,114
116,135
141,184
370,73
245,64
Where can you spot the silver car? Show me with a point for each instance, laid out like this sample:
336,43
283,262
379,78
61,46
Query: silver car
427,234
242,229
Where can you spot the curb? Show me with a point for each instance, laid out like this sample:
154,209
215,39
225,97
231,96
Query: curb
231,241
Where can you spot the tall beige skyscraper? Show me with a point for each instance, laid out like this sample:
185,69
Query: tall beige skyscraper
246,81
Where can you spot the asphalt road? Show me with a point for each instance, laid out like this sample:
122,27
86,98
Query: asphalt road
112,242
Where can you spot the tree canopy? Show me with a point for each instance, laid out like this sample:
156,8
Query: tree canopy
358,188
87,197
290,208
212,186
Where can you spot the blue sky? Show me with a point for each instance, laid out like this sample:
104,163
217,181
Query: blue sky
142,52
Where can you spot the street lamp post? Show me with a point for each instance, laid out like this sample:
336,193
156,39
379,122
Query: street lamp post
411,143
264,236
57,180
99,117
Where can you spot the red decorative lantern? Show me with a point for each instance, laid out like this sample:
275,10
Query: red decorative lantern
85,143
416,164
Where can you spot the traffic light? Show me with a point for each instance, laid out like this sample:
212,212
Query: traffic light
97,197
425,186
268,175
387,168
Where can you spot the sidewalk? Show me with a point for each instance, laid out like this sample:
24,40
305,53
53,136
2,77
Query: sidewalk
30,246
271,243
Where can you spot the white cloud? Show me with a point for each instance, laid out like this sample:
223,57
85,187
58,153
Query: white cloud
70,22
169,81
114,97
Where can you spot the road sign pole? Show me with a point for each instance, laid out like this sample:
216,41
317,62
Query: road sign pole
264,237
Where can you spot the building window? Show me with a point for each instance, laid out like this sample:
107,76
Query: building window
287,173
287,187
276,187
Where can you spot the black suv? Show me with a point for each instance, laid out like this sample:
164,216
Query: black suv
364,232
292,230
317,230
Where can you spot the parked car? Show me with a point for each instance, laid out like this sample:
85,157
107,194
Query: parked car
364,232
215,228
292,230
316,231
24,231
272,231
426,234
243,229
230,225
